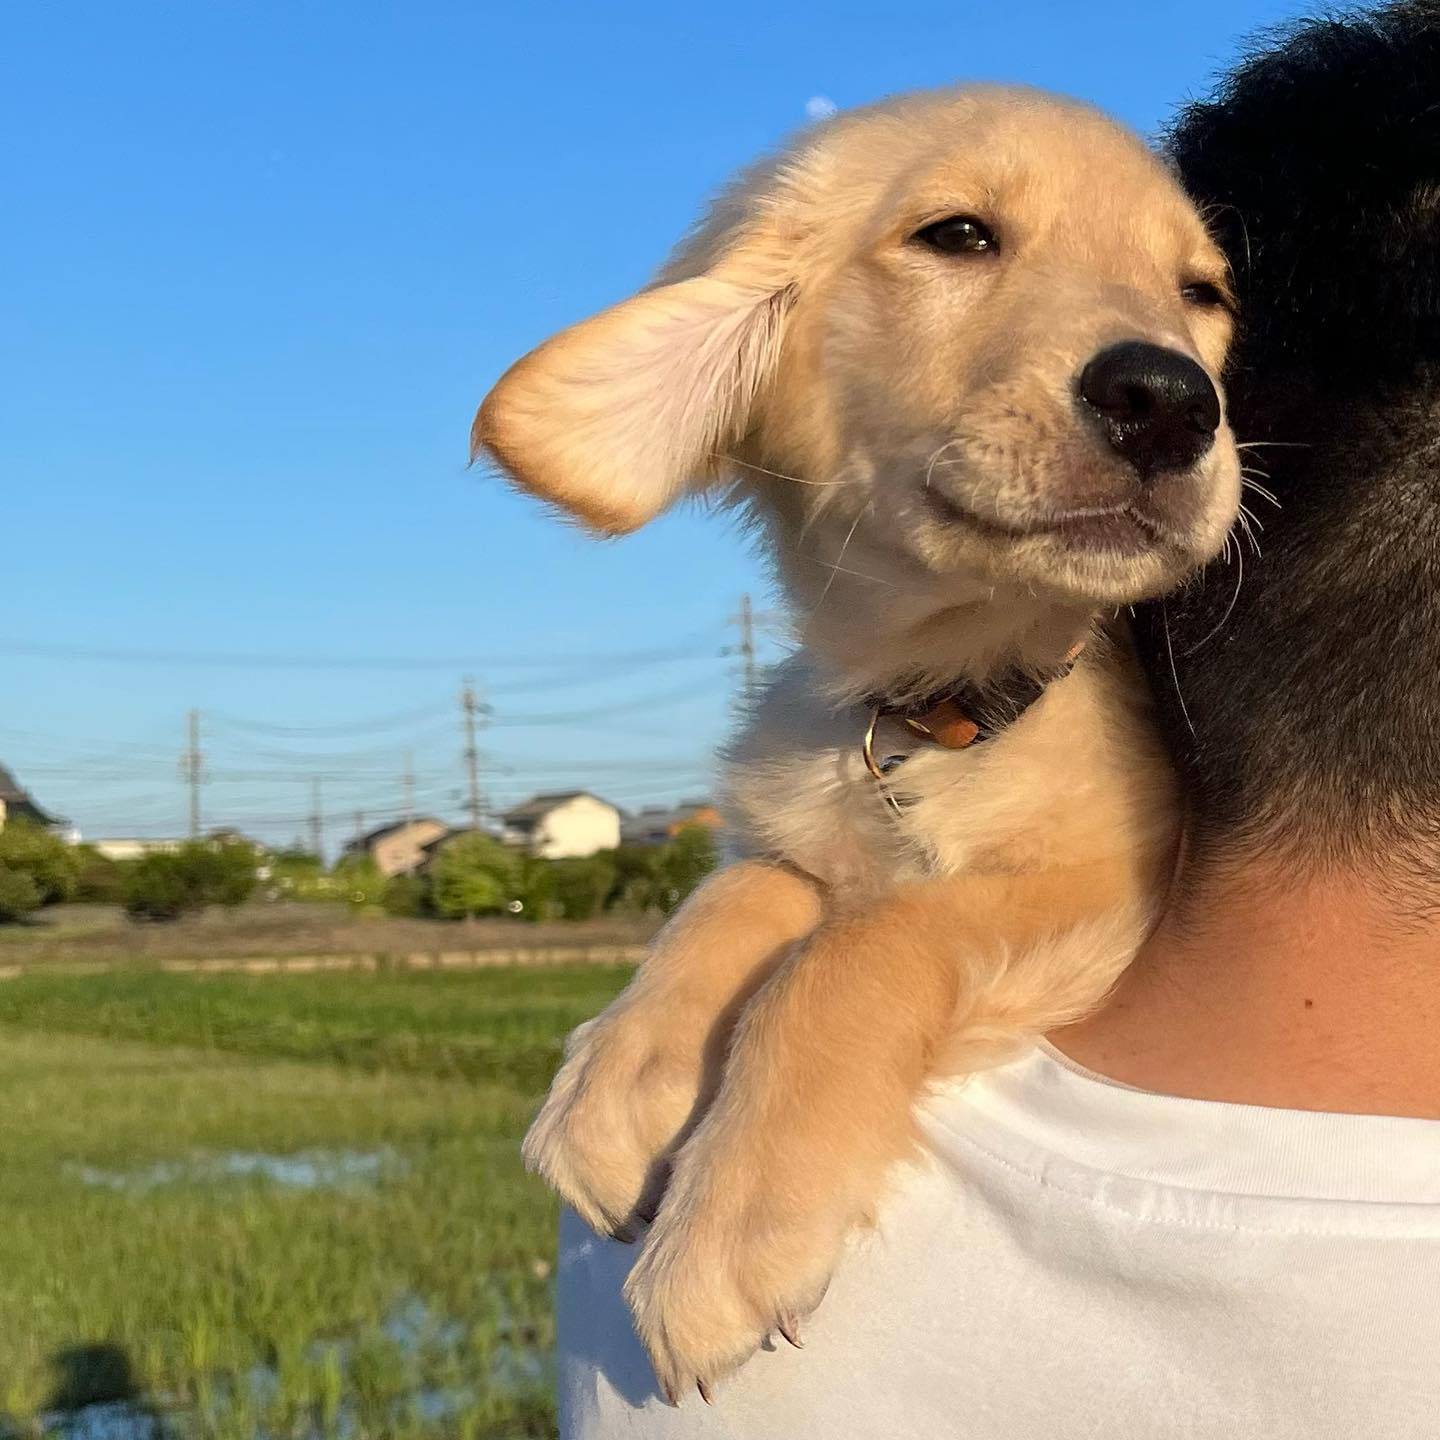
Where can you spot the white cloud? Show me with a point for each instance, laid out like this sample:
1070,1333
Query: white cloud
820,107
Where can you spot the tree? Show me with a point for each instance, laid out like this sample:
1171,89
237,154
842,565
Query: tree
474,874
51,864
682,864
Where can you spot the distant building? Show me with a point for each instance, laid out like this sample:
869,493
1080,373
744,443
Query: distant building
136,847
656,824
133,847
19,804
562,826
399,849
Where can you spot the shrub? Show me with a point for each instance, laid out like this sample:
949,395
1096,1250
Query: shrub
98,879
535,891
405,896
474,875
357,880
682,864
166,885
633,889
300,875
161,887
50,863
580,887
19,895
223,870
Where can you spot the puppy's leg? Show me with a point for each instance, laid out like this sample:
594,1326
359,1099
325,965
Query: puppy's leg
817,1101
636,1077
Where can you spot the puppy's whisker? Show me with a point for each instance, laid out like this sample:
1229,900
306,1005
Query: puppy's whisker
935,460
1274,445
761,470
1174,672
834,567
1247,523
1246,483
1210,635
858,574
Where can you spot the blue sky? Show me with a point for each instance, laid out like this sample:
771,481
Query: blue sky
261,261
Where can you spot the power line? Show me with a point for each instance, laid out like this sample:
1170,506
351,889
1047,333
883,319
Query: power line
583,716
243,660
235,754
379,754
375,724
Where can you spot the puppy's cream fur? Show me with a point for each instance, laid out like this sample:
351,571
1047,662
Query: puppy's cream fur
902,428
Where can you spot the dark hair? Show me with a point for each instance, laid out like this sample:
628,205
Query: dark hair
1302,704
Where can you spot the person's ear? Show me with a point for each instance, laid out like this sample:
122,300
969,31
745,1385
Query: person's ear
616,417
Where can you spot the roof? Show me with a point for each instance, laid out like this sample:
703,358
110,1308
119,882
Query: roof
659,820
539,806
13,793
372,837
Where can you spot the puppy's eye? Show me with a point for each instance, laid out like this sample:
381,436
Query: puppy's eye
959,235
1204,295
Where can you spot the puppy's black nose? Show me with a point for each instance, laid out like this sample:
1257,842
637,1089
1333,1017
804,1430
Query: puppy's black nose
1158,408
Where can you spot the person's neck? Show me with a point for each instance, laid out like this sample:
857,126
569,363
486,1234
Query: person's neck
1260,987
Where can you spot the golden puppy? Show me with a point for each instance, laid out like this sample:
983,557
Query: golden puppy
955,356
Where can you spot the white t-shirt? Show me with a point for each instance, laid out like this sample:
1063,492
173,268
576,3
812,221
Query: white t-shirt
1084,1261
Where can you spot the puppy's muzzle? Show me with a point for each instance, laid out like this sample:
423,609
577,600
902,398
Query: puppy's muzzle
1157,408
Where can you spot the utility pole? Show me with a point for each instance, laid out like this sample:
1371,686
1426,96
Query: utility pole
317,819
359,824
192,769
472,711
407,781
746,622
747,619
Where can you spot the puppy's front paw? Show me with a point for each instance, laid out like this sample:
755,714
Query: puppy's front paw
614,1114
742,1249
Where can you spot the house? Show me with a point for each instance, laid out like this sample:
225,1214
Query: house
656,824
18,804
399,848
562,826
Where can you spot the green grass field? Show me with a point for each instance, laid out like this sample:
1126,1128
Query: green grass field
287,1205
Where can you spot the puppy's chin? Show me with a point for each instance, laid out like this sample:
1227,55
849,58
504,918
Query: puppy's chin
1123,546
1099,576
1099,561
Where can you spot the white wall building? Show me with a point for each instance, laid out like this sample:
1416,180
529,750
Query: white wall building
564,826
131,847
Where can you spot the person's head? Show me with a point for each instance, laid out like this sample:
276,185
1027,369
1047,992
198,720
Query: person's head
1302,703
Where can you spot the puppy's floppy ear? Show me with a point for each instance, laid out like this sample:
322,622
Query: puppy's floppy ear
612,419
